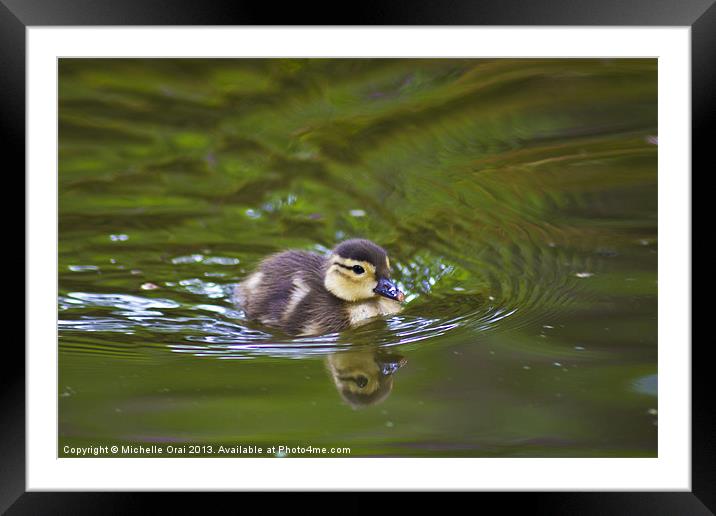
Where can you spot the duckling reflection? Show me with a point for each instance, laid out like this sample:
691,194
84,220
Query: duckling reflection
364,378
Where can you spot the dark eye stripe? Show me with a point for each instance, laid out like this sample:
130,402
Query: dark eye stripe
355,268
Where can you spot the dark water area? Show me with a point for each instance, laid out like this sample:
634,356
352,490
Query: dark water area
517,200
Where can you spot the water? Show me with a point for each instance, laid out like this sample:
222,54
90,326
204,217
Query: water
517,200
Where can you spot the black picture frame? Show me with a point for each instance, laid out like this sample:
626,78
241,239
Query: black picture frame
17,15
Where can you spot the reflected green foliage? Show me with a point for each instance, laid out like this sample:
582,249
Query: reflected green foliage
517,200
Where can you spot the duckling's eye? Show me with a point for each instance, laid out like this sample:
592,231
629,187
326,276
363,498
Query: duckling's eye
361,381
358,269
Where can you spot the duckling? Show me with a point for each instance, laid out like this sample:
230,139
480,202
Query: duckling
364,378
303,293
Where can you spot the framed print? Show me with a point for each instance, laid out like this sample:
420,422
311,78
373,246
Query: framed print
441,249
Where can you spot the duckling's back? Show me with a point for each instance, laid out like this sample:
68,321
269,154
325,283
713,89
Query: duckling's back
286,292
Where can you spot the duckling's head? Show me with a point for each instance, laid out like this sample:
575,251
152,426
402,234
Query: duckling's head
364,378
359,270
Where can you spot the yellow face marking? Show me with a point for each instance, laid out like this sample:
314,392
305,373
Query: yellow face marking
348,285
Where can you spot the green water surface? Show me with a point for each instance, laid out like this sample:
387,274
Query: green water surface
517,200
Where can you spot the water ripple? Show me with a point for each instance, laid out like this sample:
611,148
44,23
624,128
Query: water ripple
209,325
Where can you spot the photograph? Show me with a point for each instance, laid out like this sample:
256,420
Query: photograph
392,257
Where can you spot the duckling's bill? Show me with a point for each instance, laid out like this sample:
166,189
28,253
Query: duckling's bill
389,289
